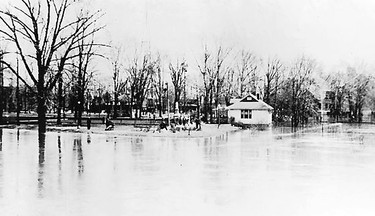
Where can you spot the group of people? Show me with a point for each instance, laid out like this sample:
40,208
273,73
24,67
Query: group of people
178,124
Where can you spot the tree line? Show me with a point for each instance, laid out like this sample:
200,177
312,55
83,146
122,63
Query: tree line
56,43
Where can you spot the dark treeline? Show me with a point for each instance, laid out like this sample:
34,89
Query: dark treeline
57,47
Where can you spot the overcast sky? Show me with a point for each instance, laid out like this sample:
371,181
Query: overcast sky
334,32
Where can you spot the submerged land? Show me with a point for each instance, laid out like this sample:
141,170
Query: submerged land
245,172
208,130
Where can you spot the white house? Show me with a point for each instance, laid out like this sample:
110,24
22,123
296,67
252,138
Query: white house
250,111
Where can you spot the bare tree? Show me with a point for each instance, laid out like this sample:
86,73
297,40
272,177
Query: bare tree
140,75
208,76
82,51
86,54
119,83
1,86
178,76
40,30
221,71
229,87
371,95
297,95
246,72
272,79
272,84
213,73
158,85
358,88
361,89
339,88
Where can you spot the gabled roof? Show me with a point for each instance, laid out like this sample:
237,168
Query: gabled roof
250,102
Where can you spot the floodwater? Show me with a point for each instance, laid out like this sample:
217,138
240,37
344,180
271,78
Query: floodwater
241,173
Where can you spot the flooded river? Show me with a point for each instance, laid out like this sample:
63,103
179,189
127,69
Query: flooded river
241,173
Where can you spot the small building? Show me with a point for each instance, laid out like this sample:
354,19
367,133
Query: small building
250,110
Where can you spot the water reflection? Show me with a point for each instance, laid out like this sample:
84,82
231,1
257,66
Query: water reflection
1,163
60,164
216,156
88,140
77,147
1,139
137,152
18,137
41,160
241,172
214,147
137,146
115,143
59,147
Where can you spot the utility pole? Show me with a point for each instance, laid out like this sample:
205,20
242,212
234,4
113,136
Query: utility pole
184,110
60,106
25,101
1,87
198,99
18,94
169,120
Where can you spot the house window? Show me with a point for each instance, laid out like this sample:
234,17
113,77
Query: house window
246,114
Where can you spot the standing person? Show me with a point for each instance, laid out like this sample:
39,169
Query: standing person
88,123
198,124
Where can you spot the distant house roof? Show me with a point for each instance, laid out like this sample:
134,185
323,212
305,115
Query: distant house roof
250,102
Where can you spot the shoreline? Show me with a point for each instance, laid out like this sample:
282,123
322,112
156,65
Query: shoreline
208,130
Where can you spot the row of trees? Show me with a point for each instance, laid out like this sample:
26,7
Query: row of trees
55,42
50,38
350,92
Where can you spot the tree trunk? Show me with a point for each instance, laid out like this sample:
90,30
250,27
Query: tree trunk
131,104
80,106
160,106
115,113
41,98
1,92
42,109
359,113
18,97
176,100
59,98
210,108
205,107
140,109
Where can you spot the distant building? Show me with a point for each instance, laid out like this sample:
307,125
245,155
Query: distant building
326,106
250,111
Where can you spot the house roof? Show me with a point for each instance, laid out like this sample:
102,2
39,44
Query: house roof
250,102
